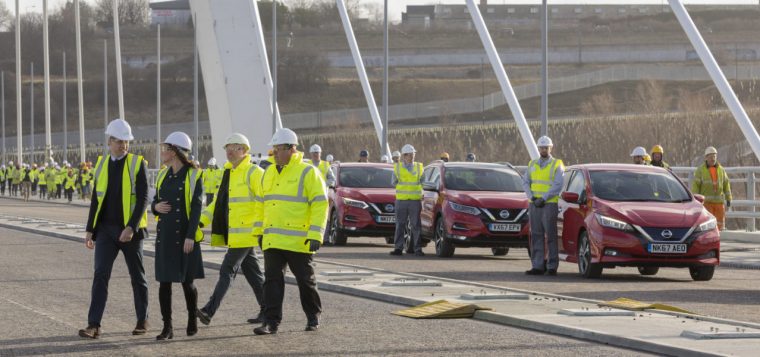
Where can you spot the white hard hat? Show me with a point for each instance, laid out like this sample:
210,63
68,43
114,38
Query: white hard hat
711,150
284,136
212,162
639,151
329,158
237,138
315,148
396,154
408,149
385,159
544,141
119,129
180,140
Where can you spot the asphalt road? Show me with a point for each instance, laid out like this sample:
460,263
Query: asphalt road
44,296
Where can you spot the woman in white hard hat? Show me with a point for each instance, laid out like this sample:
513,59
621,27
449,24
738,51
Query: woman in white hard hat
178,205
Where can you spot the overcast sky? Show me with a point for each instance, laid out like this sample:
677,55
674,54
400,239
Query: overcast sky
397,6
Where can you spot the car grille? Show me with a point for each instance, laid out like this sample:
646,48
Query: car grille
513,213
657,234
383,209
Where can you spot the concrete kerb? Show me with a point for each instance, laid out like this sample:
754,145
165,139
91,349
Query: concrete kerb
486,316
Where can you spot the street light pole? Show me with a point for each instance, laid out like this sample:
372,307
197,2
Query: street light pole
544,68
158,94
2,94
117,53
46,69
385,76
105,90
274,65
195,88
65,116
80,89
31,110
19,128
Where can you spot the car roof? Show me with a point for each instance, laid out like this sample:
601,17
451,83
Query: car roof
476,165
364,164
618,167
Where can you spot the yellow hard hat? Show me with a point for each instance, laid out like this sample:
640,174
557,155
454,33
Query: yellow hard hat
270,152
647,158
657,149
444,155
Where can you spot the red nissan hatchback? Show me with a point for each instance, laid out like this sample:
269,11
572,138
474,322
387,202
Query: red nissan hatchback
634,216
362,203
474,205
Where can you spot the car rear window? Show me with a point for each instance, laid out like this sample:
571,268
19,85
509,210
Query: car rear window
637,186
366,177
482,179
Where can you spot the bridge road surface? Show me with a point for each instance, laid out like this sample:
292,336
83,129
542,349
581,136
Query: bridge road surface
731,294
45,292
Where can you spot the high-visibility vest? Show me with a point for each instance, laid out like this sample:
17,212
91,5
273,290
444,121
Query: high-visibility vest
69,181
295,206
244,207
717,192
132,165
192,178
408,187
59,176
2,175
323,166
211,180
541,179
50,176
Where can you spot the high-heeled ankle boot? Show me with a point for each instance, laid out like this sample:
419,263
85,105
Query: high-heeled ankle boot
167,333
191,300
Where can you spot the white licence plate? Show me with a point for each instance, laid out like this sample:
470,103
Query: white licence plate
667,248
386,219
501,227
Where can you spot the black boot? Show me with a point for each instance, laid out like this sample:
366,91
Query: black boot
191,300
167,333
165,302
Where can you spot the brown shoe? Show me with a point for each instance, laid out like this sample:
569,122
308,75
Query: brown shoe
141,328
92,332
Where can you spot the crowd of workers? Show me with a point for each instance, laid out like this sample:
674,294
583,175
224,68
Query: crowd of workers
50,180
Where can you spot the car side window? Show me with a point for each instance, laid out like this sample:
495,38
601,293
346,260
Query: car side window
435,176
567,178
577,183
426,174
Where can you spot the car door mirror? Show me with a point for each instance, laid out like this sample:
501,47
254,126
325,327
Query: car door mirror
430,186
699,198
570,197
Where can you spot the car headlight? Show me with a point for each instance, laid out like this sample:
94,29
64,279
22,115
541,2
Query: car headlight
613,223
355,203
711,224
464,209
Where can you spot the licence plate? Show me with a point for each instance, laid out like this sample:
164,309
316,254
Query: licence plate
501,227
386,219
667,248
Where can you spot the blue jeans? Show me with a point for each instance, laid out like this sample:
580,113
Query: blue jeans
234,260
107,247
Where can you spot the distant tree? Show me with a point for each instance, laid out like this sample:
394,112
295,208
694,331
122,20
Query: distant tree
6,17
131,12
302,71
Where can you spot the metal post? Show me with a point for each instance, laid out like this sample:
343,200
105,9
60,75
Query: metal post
385,75
2,94
274,65
195,91
46,69
80,89
19,128
105,90
751,197
31,110
158,95
117,49
544,68
501,75
65,116
717,76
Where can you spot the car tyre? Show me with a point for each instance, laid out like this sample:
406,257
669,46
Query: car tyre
586,268
702,273
648,270
336,237
500,251
443,247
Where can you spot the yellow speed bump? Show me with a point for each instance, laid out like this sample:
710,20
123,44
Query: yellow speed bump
629,304
441,309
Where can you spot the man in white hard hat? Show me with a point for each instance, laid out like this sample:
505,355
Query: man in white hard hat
295,216
711,180
407,178
638,155
396,156
542,183
212,176
315,151
118,221
235,218
384,159
330,159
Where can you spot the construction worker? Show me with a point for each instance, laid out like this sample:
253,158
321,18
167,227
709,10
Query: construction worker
85,178
407,178
177,206
60,174
396,156
445,156
295,216
330,159
364,156
385,159
26,182
33,175
117,222
42,182
638,155
315,151
235,221
50,178
3,177
711,180
542,183
471,157
657,154
69,183
15,179
211,178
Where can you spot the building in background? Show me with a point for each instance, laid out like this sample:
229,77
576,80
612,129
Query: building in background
170,13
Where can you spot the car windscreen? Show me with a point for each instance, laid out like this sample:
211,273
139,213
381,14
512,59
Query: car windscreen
637,186
482,179
366,177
